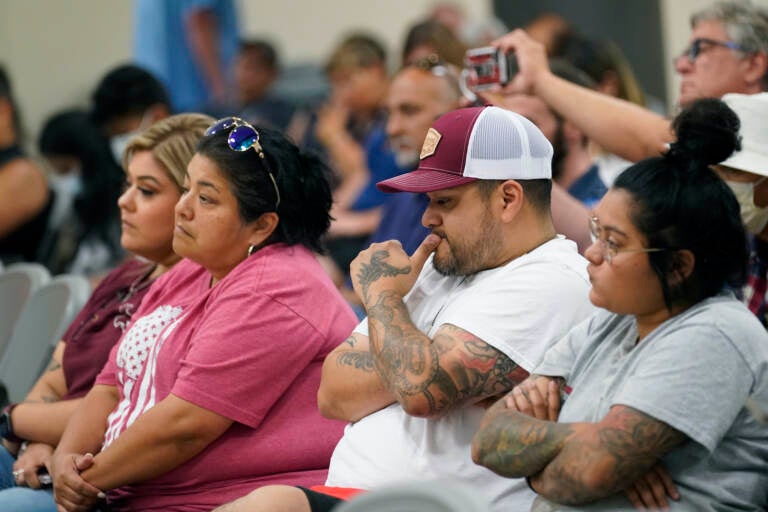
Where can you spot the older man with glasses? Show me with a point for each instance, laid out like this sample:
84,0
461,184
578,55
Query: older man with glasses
727,53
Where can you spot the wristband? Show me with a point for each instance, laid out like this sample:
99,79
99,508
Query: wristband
6,425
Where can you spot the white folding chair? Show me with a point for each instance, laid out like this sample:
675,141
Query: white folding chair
42,322
424,496
17,283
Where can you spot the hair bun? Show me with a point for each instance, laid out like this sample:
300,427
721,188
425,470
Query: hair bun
707,133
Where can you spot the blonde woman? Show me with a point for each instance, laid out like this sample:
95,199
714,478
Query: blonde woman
155,163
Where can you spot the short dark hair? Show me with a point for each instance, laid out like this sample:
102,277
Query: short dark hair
680,203
302,179
537,192
266,52
127,90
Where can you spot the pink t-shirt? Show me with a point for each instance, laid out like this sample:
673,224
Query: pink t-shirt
251,349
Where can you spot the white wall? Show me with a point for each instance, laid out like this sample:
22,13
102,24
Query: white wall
322,24
55,50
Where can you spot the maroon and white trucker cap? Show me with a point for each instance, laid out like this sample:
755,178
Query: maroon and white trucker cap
478,143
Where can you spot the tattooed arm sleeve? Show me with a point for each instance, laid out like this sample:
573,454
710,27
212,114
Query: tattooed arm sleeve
429,377
578,462
350,387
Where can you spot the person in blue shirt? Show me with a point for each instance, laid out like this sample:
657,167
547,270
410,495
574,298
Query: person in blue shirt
189,45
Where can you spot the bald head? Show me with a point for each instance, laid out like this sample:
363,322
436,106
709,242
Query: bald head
416,98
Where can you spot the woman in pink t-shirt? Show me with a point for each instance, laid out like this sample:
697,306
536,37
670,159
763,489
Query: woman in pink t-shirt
155,163
211,391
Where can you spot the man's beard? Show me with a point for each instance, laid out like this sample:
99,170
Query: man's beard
405,159
469,257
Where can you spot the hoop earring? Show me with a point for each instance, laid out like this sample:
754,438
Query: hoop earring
251,249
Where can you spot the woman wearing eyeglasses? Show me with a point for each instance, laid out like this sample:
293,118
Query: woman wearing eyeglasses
655,385
212,390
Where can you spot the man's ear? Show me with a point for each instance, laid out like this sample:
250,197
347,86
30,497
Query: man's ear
512,198
757,69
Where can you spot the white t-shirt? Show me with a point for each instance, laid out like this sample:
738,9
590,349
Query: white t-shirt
520,309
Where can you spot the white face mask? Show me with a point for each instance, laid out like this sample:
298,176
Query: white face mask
755,218
118,143
69,184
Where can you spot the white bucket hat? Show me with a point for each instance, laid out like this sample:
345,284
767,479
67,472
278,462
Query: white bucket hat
752,110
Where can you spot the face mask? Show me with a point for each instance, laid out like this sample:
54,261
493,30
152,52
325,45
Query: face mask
69,184
755,218
118,143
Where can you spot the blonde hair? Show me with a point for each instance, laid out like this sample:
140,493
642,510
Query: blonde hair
172,141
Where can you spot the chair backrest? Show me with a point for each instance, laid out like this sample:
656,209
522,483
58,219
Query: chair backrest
17,283
424,496
42,322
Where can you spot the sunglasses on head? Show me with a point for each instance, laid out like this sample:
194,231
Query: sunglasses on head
242,137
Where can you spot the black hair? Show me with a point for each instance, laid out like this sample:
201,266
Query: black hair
679,203
537,192
6,91
127,90
264,49
589,55
72,133
302,179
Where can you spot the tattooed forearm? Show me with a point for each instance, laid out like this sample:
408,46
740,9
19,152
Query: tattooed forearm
53,366
607,457
357,359
513,444
376,269
428,376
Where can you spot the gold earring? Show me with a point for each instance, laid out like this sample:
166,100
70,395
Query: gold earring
251,249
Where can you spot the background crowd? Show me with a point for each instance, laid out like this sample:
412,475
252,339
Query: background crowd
553,255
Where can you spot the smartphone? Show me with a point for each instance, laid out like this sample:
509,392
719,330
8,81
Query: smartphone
488,66
44,478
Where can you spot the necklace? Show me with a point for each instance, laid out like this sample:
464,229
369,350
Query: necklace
139,283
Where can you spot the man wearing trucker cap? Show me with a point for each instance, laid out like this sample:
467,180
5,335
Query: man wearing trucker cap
455,325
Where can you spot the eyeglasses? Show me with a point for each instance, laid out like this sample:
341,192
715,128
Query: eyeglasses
242,137
694,50
609,248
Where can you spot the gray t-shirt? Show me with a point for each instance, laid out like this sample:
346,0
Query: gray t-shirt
695,373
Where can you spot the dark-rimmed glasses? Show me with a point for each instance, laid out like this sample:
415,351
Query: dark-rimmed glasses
694,50
608,247
242,137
